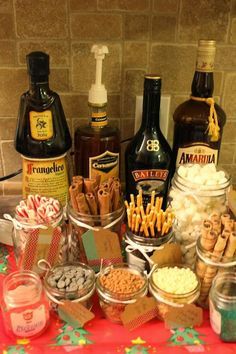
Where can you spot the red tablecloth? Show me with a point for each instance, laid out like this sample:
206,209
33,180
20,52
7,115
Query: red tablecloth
101,336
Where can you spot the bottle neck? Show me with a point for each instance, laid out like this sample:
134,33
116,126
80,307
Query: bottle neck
203,84
151,110
39,89
98,116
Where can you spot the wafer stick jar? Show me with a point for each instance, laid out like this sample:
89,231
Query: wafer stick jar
211,263
173,286
197,191
39,233
117,286
82,224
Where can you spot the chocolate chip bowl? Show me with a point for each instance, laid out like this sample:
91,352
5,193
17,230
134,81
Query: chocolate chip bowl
73,281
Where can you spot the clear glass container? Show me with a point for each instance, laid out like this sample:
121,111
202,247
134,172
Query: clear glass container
222,300
33,241
166,300
83,295
140,248
81,223
192,203
113,304
207,267
25,308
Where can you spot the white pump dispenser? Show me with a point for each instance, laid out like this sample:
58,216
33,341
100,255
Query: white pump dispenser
98,92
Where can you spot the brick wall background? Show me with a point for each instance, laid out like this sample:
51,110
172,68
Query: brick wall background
142,36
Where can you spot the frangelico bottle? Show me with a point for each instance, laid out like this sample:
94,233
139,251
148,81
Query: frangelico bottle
199,122
42,135
148,157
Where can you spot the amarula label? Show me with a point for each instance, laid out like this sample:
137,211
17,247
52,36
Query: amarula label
46,177
198,153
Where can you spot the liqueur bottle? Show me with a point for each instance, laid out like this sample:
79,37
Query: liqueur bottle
148,157
42,135
199,122
97,145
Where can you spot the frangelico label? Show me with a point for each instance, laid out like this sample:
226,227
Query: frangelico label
46,177
106,165
197,153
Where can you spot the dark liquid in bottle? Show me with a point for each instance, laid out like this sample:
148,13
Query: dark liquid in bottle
93,142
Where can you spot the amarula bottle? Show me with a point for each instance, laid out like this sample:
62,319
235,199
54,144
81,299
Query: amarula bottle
42,135
97,145
148,157
199,122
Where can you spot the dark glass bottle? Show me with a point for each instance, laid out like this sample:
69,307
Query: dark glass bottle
192,142
42,130
97,146
42,135
148,157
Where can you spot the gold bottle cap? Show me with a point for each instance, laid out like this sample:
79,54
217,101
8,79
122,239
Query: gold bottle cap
152,76
206,55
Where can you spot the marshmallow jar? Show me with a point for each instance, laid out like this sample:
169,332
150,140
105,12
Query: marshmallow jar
197,191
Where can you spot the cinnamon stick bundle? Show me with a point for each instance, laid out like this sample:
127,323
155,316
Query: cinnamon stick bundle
89,197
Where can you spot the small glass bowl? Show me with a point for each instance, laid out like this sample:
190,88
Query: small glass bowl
83,295
113,304
167,300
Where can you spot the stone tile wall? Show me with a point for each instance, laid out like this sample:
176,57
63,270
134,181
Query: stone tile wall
142,36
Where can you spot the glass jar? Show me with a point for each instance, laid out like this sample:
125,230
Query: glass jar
82,294
33,241
113,304
207,268
192,203
81,223
222,299
140,249
166,300
25,308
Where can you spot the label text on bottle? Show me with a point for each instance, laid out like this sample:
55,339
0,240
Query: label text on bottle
196,154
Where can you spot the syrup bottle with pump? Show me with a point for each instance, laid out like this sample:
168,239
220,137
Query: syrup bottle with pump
97,145
42,135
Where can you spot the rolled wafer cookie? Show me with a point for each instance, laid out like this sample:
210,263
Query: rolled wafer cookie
208,237
82,204
224,218
89,185
229,225
115,195
104,201
91,203
231,245
216,226
73,191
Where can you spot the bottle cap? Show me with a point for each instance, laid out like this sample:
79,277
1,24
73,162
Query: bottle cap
98,92
38,64
206,55
152,82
